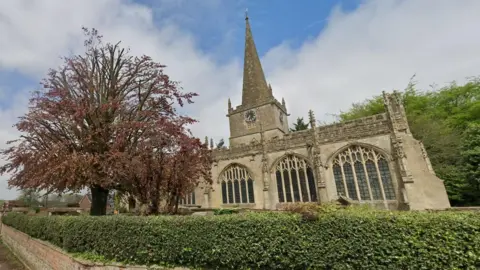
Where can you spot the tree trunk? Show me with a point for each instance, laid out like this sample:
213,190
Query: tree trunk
155,200
132,204
153,207
177,200
99,201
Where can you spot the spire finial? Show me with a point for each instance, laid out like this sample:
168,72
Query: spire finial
229,104
311,118
246,14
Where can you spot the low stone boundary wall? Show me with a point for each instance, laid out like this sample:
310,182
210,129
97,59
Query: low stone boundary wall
40,255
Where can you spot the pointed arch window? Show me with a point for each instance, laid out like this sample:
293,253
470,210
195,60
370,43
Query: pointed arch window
295,181
362,173
237,186
188,200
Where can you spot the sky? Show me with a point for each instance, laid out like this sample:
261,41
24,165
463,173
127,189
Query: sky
319,55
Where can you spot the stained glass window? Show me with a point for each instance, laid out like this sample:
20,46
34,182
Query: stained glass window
237,186
295,181
362,173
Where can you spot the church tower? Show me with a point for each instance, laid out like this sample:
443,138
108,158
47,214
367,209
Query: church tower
259,111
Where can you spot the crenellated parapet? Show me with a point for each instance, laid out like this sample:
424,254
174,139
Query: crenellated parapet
354,129
289,141
237,152
270,100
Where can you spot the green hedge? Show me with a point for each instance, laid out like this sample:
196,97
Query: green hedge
338,240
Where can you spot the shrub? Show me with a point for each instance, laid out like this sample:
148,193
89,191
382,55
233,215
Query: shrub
312,210
339,239
225,211
42,227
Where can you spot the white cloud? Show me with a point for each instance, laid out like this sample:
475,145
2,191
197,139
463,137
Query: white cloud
376,47
8,133
36,33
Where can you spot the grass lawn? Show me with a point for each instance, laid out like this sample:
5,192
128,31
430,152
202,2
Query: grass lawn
7,260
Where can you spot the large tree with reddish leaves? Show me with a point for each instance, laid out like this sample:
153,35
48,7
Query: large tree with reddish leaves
102,121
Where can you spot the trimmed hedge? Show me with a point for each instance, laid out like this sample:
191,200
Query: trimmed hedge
339,240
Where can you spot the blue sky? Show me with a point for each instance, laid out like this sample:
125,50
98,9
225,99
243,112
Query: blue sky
275,22
218,28
320,55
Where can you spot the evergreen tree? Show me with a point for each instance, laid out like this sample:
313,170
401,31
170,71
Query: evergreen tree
221,144
299,125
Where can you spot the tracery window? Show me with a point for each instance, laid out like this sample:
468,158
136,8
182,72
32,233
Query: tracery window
295,181
188,200
237,186
362,174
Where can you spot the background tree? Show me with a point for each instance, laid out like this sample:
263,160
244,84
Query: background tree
471,161
439,118
29,197
52,200
299,125
84,127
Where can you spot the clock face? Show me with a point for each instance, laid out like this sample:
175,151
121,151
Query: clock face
250,116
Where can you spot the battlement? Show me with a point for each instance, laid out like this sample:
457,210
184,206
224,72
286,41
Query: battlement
271,100
238,151
355,129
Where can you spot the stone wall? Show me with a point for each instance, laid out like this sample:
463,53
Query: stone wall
261,154
365,127
40,255
355,129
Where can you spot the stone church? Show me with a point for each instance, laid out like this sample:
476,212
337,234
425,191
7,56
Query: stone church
373,160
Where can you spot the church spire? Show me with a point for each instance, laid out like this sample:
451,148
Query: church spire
255,87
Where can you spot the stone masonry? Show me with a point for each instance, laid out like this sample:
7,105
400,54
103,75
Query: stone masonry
373,160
